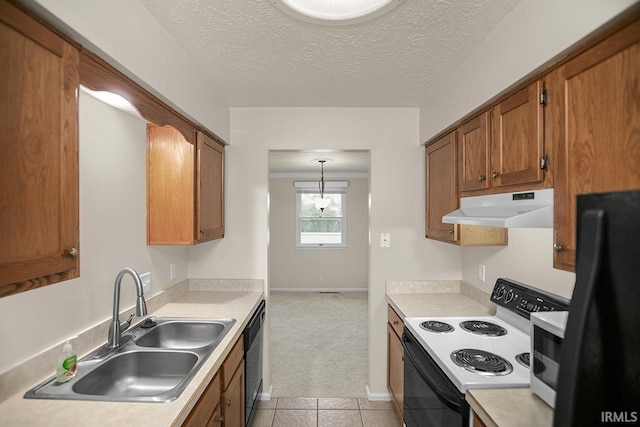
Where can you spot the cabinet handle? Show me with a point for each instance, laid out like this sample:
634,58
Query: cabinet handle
73,253
450,231
202,231
557,248
482,178
495,174
228,403
221,419
395,322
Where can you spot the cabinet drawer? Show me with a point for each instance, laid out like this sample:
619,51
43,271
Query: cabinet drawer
232,361
395,321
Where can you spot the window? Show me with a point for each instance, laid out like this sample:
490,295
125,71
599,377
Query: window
318,229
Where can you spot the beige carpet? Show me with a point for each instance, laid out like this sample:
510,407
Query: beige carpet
319,344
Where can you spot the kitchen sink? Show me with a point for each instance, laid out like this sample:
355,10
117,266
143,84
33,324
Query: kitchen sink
183,334
138,373
155,362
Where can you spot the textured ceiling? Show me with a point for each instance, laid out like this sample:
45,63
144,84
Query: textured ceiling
255,55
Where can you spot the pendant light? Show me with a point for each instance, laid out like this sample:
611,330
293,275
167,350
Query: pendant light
321,203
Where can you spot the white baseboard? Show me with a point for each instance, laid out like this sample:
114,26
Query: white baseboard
377,396
319,289
266,396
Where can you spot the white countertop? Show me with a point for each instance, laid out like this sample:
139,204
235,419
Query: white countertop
510,407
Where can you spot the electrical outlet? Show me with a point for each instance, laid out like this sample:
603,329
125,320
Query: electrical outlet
481,272
385,240
321,279
172,271
146,282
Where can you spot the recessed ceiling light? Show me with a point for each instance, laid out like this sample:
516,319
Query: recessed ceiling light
336,11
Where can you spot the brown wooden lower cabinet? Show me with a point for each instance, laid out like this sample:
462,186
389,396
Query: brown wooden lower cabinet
233,399
222,403
395,363
477,422
201,414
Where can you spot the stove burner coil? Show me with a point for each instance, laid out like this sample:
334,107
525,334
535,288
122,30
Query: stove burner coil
436,326
524,359
481,362
480,327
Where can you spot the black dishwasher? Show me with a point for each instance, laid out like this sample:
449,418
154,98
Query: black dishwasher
253,333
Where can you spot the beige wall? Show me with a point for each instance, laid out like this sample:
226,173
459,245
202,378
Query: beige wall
301,268
112,236
527,259
397,202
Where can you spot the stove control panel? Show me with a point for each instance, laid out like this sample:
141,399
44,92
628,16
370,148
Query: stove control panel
524,299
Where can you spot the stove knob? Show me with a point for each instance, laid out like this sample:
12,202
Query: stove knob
509,296
500,293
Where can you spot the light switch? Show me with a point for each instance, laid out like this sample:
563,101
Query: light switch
481,272
146,282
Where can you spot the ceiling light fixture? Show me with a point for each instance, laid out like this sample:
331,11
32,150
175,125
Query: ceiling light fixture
321,203
336,11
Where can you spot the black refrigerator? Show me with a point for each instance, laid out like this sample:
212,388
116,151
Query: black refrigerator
599,374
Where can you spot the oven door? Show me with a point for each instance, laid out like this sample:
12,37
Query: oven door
430,398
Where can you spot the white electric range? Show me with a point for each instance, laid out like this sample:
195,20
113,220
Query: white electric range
446,356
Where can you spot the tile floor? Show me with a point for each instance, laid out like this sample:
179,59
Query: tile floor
325,412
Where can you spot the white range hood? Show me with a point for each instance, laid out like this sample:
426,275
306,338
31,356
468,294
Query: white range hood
529,209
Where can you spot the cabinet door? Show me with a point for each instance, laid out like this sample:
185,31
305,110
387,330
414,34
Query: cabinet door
170,187
395,369
517,138
442,191
597,129
38,154
210,189
216,419
474,153
233,400
202,414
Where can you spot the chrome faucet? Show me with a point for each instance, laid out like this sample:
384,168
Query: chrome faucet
116,327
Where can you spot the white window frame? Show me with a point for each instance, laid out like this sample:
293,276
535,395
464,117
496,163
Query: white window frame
331,187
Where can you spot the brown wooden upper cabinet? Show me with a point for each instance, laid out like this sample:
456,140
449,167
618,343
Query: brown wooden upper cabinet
38,154
595,103
474,153
504,147
185,187
443,197
442,188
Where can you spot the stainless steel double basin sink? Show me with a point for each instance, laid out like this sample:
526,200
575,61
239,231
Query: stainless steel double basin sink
154,364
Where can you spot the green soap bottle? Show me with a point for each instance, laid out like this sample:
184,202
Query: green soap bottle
67,364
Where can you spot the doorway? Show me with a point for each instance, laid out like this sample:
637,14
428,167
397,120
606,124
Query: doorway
318,263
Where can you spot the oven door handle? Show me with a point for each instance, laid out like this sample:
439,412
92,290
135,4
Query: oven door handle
440,393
